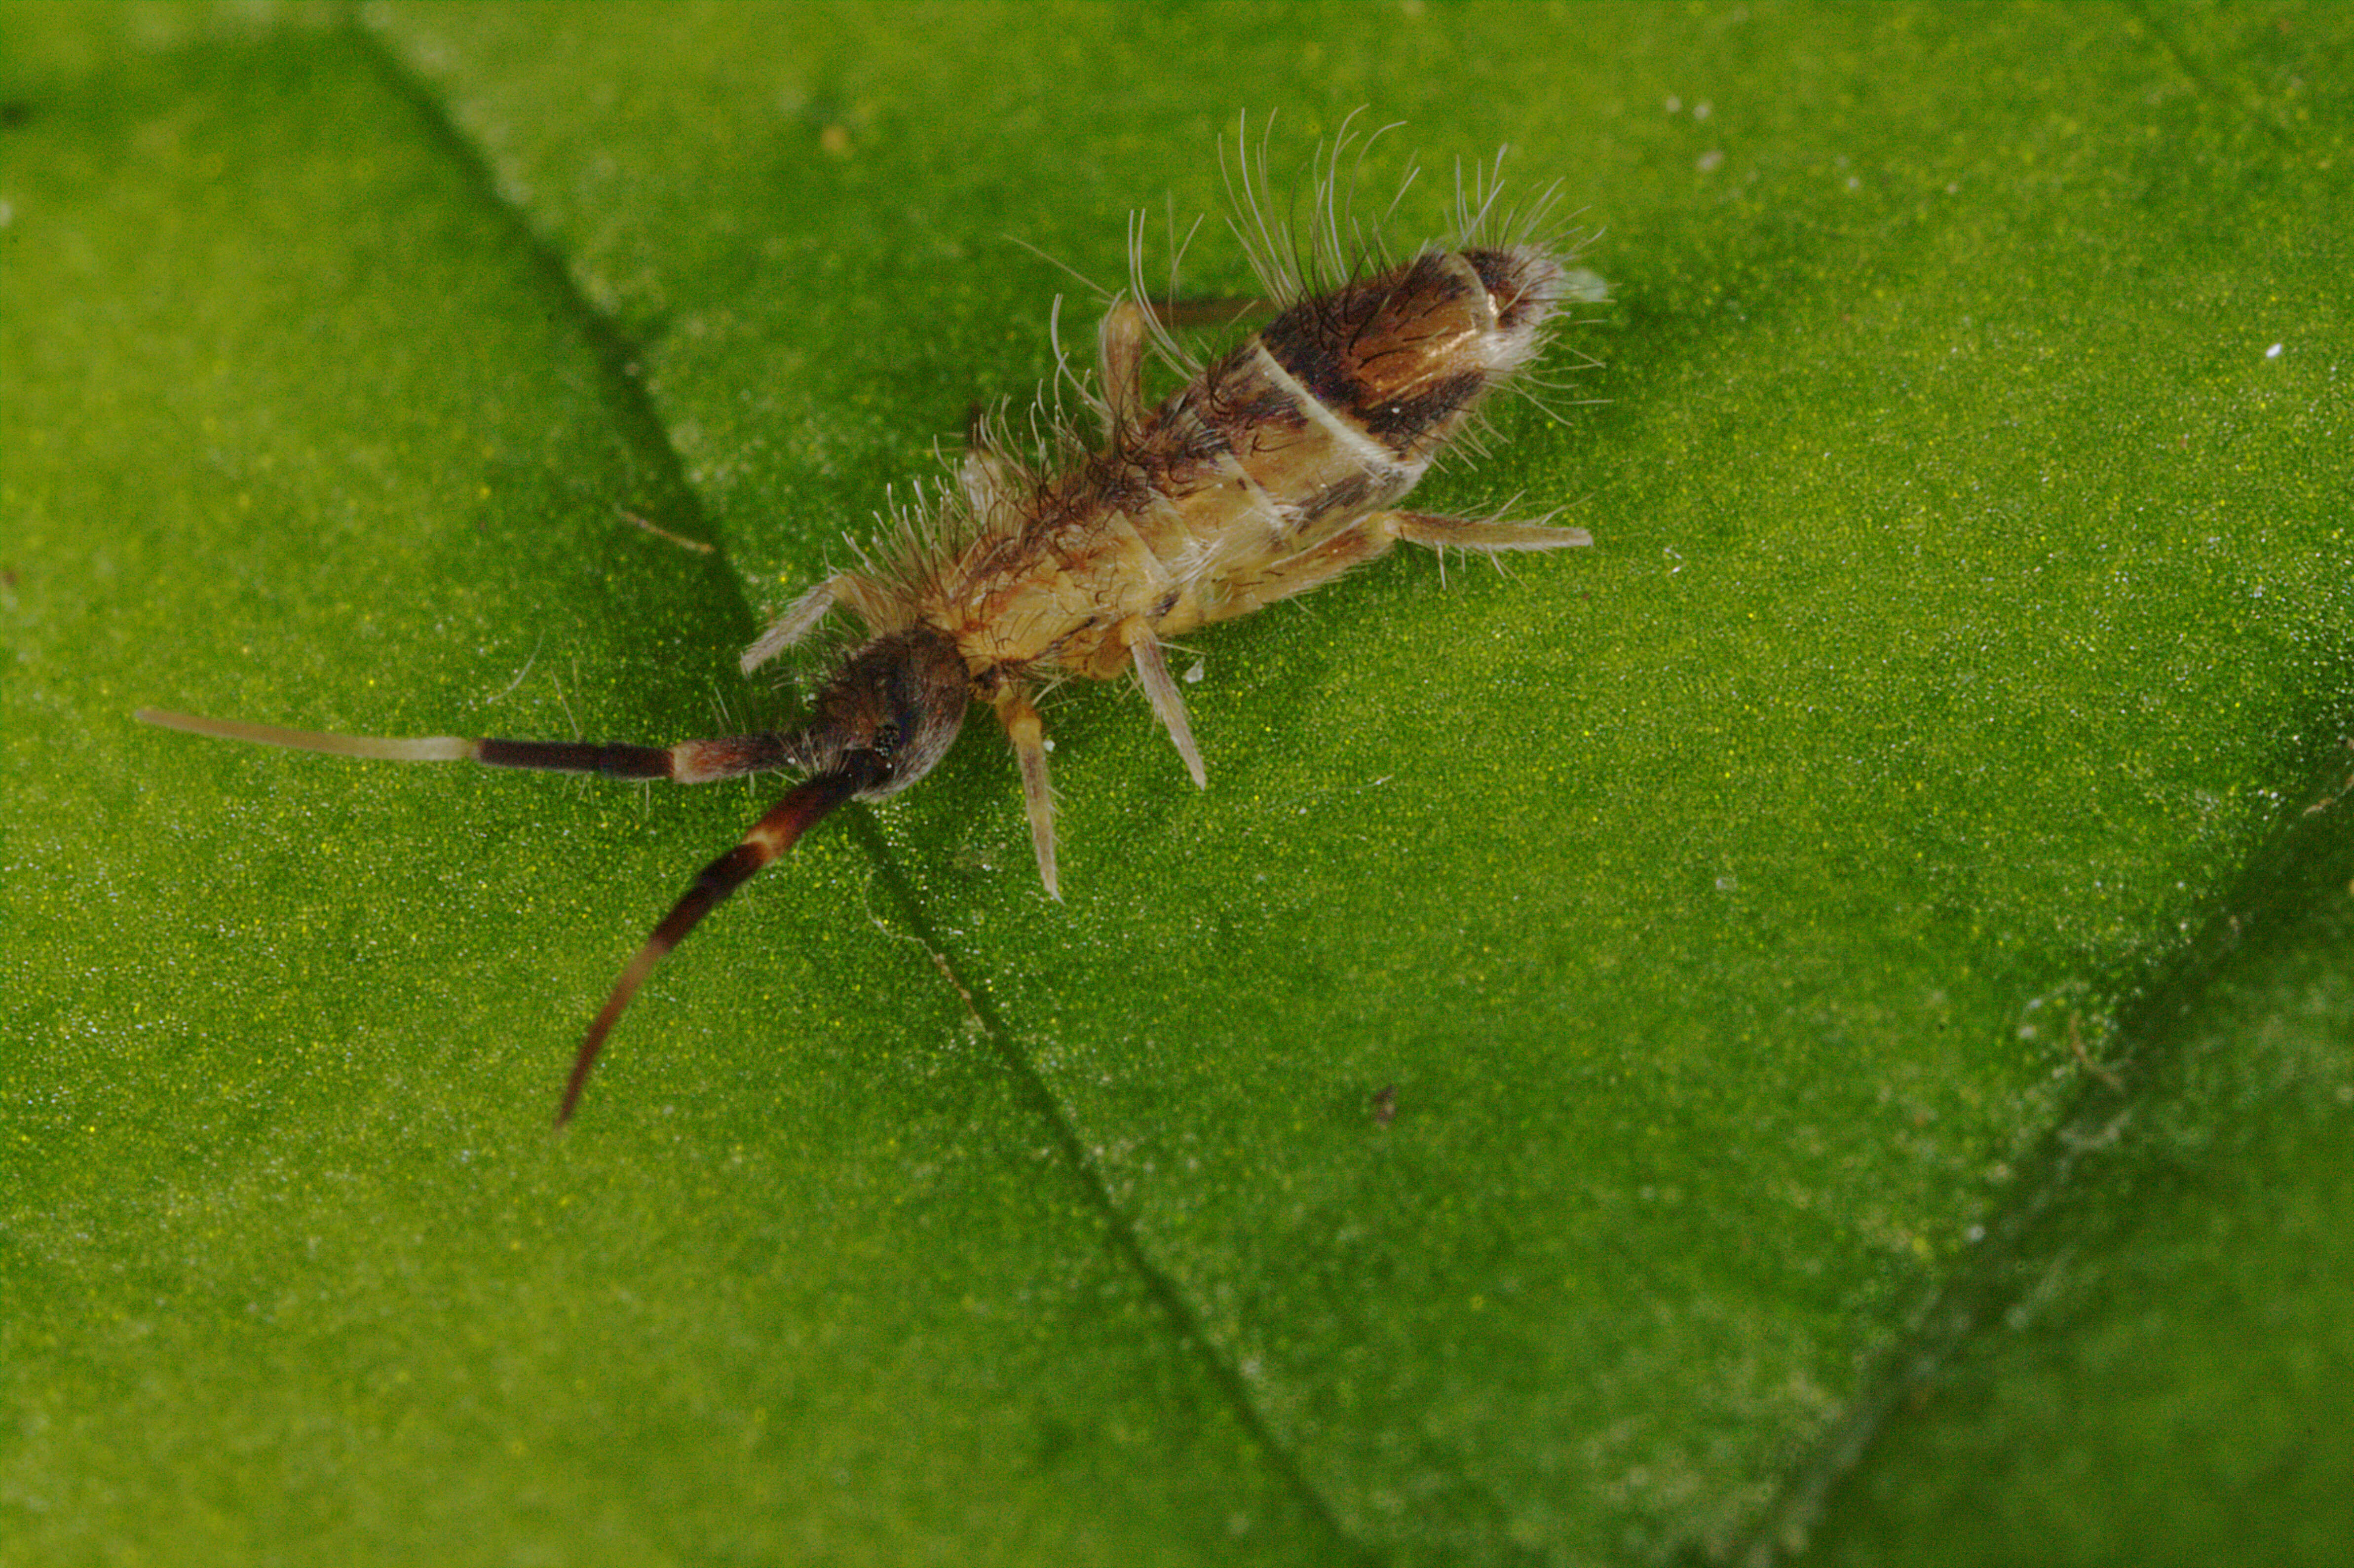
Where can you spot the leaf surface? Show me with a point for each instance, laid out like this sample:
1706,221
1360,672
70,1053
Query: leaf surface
1602,1025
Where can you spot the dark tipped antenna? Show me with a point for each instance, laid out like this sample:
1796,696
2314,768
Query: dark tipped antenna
689,762
771,836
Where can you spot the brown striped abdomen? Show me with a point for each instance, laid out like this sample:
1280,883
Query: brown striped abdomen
1333,411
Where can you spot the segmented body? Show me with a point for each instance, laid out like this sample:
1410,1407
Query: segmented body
1273,470
1248,485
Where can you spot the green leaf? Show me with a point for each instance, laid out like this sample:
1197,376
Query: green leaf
2144,1367
1603,1032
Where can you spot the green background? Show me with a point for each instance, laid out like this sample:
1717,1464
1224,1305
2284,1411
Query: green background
1862,959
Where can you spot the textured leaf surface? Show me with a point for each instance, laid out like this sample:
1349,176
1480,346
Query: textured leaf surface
1746,921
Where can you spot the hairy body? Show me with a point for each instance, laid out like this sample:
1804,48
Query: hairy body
1272,471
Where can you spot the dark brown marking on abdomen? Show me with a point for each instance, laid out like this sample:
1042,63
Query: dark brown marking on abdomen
1413,427
1400,356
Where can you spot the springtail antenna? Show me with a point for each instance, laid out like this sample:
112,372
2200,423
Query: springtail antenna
771,836
562,757
689,762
